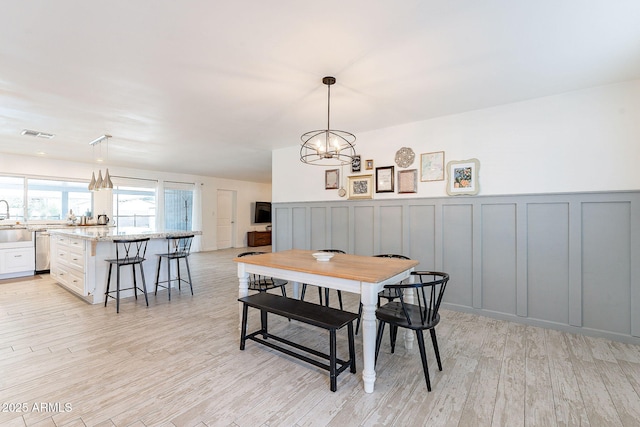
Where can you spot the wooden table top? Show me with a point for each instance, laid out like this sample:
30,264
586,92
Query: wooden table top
352,267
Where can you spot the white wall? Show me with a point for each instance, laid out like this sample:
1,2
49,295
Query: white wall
587,140
247,192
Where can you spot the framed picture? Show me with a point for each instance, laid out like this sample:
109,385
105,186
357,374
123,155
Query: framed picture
355,163
360,187
408,181
368,164
331,179
462,177
432,166
384,179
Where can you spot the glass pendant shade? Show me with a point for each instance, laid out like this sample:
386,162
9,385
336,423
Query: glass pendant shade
92,183
106,183
327,147
99,181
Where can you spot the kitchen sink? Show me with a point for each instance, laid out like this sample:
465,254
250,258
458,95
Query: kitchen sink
15,236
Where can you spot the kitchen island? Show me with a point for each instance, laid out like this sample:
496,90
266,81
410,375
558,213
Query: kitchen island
78,257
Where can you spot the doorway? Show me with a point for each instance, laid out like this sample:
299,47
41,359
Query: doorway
226,223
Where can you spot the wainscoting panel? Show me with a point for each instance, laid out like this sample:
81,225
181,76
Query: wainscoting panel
390,230
565,261
422,234
499,257
301,236
318,227
364,230
548,261
457,257
606,264
340,229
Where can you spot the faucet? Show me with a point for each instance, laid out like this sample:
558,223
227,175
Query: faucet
6,203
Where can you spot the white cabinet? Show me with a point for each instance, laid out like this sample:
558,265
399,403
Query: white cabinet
17,260
68,263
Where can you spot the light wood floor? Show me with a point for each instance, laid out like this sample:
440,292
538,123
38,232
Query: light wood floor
178,363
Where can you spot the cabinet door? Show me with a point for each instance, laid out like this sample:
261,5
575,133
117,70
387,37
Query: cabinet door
17,260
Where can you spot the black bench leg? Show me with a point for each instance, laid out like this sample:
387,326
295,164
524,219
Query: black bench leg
352,348
263,323
332,360
243,334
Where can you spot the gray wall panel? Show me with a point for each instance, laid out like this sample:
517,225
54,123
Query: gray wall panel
340,229
281,234
318,225
553,260
391,233
499,258
299,228
363,230
606,266
422,244
548,261
458,253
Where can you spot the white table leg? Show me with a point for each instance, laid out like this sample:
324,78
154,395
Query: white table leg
243,290
296,290
369,299
409,335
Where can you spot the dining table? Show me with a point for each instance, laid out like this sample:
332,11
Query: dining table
364,275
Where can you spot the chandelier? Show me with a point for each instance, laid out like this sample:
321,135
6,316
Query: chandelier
100,183
327,147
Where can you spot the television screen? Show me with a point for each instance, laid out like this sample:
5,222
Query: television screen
262,212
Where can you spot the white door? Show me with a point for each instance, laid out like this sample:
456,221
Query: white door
226,220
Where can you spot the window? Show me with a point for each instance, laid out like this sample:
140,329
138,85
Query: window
54,200
178,206
134,204
12,191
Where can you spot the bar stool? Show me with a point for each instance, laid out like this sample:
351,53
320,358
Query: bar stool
128,252
177,248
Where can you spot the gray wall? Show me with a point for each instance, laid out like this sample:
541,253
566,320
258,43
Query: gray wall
565,261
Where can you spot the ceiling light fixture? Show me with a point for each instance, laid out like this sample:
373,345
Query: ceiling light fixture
327,147
100,183
29,132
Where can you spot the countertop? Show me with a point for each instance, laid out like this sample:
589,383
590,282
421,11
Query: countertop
107,234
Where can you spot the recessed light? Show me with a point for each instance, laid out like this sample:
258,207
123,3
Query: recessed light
41,153
36,133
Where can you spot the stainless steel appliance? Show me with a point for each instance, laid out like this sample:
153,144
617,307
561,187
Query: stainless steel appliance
43,256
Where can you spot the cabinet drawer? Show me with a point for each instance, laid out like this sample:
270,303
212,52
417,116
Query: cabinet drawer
71,280
76,246
16,260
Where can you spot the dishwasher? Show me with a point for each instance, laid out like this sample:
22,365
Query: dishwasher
42,248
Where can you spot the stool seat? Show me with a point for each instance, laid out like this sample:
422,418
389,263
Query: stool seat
128,252
177,248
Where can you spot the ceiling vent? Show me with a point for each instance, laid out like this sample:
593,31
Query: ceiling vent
38,134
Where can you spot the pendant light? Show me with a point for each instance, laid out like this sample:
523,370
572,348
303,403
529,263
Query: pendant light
327,147
100,183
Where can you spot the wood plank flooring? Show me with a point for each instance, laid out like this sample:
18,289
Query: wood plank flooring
67,363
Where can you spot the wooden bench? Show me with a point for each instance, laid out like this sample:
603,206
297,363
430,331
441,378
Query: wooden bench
327,318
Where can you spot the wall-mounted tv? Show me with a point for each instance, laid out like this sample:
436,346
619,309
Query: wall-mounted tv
262,212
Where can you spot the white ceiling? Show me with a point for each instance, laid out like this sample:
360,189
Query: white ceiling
211,87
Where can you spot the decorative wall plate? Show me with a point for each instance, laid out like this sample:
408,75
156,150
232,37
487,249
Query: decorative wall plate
405,157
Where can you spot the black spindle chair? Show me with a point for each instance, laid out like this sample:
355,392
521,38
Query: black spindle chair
419,316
